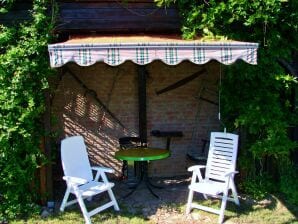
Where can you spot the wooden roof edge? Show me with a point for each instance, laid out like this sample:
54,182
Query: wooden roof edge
290,67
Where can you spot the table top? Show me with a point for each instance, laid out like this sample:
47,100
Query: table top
142,154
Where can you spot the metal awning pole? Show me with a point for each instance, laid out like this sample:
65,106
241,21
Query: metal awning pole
142,94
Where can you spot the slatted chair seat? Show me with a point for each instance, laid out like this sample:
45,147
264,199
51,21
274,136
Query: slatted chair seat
219,174
208,187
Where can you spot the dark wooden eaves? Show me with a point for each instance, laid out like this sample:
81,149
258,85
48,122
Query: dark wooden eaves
116,17
18,13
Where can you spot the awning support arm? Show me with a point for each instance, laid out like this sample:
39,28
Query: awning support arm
181,82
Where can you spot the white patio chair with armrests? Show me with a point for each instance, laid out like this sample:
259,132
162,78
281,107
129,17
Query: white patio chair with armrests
219,174
79,177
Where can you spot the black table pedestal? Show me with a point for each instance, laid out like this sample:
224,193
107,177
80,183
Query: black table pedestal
143,177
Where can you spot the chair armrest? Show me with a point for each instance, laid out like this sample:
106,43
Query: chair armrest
231,173
103,169
196,173
75,180
196,167
101,172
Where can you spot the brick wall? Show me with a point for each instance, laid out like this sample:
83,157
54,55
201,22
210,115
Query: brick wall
77,113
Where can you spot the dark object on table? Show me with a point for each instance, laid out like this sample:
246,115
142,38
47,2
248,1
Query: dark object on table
167,134
129,142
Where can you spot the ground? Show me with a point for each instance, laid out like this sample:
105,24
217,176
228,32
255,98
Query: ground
169,208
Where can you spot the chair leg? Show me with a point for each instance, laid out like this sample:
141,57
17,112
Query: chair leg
113,199
222,208
189,201
83,207
64,201
235,195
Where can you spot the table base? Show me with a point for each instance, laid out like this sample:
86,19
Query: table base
143,177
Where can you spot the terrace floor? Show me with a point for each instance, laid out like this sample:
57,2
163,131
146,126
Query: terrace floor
170,207
160,210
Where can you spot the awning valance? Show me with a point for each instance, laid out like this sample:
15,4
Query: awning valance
145,49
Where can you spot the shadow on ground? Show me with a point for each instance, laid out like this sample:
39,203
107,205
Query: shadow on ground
169,208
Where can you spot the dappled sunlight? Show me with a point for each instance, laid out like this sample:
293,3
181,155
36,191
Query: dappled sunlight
142,207
101,103
270,210
101,142
80,114
286,207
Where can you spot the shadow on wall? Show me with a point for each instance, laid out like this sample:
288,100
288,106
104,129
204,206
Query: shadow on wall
181,109
78,112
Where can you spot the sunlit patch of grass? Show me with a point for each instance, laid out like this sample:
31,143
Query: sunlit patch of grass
271,210
203,216
71,217
65,218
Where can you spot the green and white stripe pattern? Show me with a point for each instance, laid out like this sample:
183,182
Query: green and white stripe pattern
143,53
171,55
85,57
113,56
199,55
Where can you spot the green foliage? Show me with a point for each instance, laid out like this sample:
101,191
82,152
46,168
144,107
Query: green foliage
289,183
24,69
258,187
255,99
5,5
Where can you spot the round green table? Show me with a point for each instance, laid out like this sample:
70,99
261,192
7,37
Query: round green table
143,155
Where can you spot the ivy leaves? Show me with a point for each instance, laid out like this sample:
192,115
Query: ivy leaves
5,5
256,104
24,70
256,99
232,18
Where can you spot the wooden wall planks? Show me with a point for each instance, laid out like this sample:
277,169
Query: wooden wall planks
108,16
116,17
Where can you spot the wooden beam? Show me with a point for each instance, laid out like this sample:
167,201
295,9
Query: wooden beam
181,82
45,171
287,66
47,143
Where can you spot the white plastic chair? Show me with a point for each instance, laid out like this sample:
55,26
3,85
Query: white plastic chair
79,177
219,174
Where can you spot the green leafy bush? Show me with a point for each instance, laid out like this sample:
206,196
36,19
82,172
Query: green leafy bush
24,69
258,187
256,100
289,184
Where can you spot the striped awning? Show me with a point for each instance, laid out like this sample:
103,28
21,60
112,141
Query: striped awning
86,51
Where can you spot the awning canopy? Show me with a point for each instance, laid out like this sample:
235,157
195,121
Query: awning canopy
113,50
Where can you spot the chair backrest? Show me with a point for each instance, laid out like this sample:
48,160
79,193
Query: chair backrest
74,157
222,155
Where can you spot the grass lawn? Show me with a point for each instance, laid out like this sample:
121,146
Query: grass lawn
271,210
